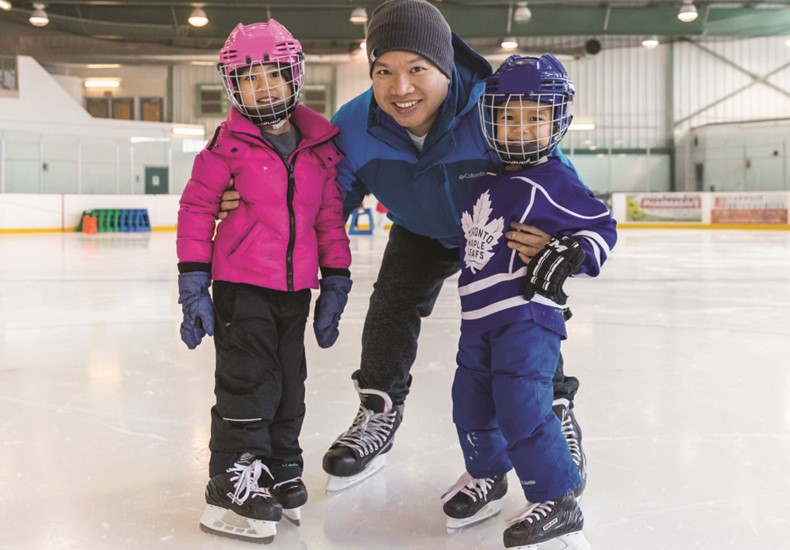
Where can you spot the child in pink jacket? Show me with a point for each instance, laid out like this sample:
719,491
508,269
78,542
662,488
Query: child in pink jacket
264,260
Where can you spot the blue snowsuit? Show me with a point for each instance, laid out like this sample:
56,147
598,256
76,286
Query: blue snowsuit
509,346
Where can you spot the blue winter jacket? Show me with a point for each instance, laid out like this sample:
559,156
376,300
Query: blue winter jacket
424,192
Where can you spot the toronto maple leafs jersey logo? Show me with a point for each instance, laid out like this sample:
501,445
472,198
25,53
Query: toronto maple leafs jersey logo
480,233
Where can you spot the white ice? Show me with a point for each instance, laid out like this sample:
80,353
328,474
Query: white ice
682,347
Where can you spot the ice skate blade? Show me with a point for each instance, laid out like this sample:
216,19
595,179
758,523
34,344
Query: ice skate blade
226,523
337,484
294,515
454,525
571,541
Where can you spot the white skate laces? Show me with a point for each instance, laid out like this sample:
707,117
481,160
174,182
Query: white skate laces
570,436
476,489
369,431
533,513
246,481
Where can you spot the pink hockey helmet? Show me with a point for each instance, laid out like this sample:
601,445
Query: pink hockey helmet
254,46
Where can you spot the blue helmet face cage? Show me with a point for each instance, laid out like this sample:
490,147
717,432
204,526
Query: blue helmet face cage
526,108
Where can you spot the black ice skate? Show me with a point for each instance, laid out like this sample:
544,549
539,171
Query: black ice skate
292,495
572,433
359,452
237,507
472,500
560,520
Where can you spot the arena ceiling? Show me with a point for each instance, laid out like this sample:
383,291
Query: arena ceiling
83,30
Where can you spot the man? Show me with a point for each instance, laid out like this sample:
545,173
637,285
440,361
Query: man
414,141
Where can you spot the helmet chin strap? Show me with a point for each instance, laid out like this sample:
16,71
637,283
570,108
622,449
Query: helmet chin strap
278,125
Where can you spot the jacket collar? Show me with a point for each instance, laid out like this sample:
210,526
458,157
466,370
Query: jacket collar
313,127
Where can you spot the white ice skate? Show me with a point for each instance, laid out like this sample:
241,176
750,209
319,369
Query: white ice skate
471,501
294,515
571,541
360,451
554,524
237,507
337,484
221,521
292,495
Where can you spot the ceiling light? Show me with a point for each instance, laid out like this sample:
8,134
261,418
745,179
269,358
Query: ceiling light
688,11
359,16
509,43
38,17
198,18
522,14
102,83
650,43
103,66
4,5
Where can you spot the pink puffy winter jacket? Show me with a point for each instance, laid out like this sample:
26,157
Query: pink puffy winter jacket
289,222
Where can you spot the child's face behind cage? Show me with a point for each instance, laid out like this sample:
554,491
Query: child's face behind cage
523,125
264,87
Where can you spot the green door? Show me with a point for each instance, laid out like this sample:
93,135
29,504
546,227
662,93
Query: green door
155,181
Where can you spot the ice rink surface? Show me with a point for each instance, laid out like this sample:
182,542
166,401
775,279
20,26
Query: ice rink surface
682,347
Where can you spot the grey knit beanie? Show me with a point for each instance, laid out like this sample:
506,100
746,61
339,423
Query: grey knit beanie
411,26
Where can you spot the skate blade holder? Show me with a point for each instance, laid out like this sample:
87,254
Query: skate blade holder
571,541
454,525
226,523
294,515
338,484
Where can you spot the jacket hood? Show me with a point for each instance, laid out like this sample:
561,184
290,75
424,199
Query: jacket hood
471,72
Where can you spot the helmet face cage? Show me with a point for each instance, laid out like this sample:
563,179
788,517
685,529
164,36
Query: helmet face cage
526,108
524,128
266,92
262,69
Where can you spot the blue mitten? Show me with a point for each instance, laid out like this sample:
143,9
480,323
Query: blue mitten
197,307
329,307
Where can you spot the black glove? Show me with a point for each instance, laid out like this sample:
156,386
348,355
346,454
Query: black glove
548,269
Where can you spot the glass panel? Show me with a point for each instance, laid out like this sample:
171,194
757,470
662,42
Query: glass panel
59,167
99,166
22,169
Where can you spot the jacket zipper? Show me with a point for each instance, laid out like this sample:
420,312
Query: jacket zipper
289,255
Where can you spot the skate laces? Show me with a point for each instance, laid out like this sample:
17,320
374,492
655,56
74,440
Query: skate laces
569,433
245,478
476,489
533,513
369,431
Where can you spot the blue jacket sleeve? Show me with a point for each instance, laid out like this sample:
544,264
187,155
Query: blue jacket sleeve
591,224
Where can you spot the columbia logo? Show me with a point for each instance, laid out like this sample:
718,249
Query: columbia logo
471,175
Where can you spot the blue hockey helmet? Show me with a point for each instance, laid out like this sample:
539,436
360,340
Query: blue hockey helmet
543,81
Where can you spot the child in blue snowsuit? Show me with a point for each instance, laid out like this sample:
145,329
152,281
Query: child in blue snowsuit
512,325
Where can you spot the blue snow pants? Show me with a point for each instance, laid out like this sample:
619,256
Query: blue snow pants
502,396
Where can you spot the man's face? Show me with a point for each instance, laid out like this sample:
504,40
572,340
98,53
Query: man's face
410,89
